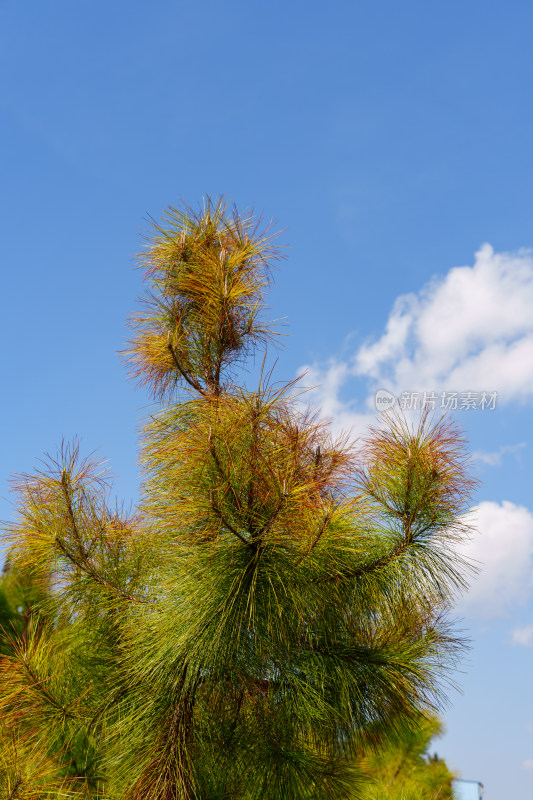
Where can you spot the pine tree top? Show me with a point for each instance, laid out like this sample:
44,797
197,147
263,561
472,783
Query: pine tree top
279,601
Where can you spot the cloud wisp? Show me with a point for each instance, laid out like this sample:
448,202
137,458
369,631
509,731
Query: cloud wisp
523,636
468,331
502,547
494,458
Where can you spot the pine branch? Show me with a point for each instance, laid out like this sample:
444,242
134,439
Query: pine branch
223,475
86,567
251,482
195,385
268,526
317,538
16,787
38,684
107,704
227,524
369,568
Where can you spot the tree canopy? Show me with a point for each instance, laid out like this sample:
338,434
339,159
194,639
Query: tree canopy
404,769
278,602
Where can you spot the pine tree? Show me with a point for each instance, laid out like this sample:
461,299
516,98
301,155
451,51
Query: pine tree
404,769
20,597
275,605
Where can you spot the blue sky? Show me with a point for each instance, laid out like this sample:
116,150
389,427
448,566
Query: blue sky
392,142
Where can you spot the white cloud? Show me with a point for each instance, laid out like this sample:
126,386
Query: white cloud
523,636
325,384
503,549
494,459
528,764
471,330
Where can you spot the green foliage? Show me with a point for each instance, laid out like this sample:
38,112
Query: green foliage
405,770
276,605
8,618
19,599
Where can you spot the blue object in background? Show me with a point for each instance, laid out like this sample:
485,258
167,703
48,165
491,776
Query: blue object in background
467,790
